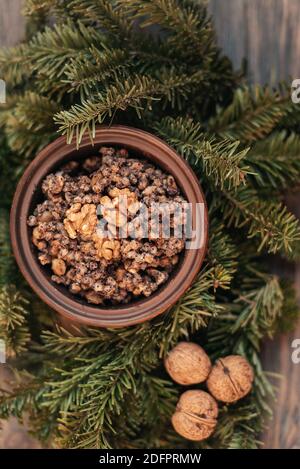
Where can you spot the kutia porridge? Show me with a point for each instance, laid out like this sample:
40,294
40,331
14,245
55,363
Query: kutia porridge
90,229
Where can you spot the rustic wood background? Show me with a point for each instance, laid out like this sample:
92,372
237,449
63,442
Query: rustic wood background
266,33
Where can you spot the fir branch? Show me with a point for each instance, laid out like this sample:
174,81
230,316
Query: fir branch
257,307
106,388
290,120
103,382
50,51
8,270
37,7
83,117
131,93
13,320
47,10
107,15
252,115
290,308
222,255
14,65
275,161
9,171
260,308
269,221
219,160
83,73
29,126
186,21
17,402
238,427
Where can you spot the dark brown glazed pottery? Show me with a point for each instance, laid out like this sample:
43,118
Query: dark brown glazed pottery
29,194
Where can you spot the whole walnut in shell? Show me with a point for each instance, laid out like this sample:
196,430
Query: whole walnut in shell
230,379
196,415
188,363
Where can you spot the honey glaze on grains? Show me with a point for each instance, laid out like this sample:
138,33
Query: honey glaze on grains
118,261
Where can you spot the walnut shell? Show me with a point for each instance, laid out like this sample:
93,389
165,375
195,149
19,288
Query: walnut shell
196,415
230,379
188,364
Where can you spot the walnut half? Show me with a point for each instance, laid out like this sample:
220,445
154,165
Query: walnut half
115,206
81,220
108,249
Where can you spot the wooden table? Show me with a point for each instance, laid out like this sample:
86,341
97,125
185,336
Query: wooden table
267,33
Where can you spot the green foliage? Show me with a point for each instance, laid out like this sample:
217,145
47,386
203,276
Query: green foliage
101,63
290,308
191,31
13,65
30,125
252,115
83,117
275,161
107,16
13,325
218,160
8,270
270,222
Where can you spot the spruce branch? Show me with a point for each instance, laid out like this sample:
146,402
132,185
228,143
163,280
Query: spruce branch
257,307
14,65
30,125
236,427
8,270
132,93
269,221
107,15
37,7
275,161
13,320
290,308
51,50
222,255
220,160
260,308
252,115
23,398
183,19
290,120
37,10
82,117
83,73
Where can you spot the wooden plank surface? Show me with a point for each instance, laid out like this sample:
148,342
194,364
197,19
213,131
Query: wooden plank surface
11,22
267,33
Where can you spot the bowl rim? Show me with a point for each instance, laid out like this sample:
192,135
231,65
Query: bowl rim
144,143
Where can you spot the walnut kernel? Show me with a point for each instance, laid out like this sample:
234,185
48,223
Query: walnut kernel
107,248
81,220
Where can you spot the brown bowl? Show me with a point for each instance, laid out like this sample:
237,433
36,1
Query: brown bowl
29,194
